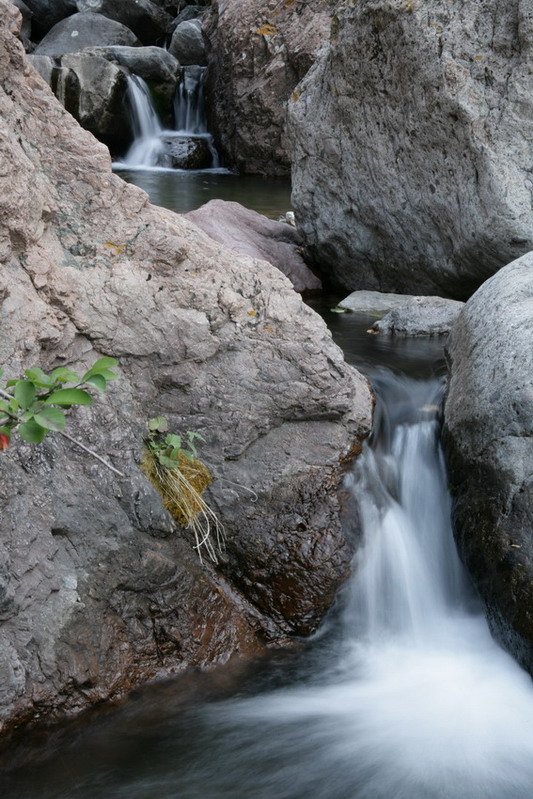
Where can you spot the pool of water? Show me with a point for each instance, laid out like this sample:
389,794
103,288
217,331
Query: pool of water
184,191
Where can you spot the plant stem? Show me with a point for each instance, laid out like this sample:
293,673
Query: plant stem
91,452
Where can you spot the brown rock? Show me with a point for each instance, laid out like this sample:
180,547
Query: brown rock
253,234
98,589
260,50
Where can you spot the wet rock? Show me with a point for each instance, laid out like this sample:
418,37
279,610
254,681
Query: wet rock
47,13
187,43
84,30
99,589
259,52
156,66
420,316
147,20
185,152
416,86
488,435
253,234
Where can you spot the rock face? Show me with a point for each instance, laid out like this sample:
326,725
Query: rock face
260,50
253,234
148,21
84,30
98,589
411,145
488,436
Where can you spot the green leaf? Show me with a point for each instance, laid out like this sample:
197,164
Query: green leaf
32,432
51,419
101,363
26,416
38,377
25,393
97,381
11,383
108,374
13,406
169,463
173,441
64,375
69,396
4,406
158,424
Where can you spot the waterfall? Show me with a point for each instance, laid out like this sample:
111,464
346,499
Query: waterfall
154,147
147,145
415,700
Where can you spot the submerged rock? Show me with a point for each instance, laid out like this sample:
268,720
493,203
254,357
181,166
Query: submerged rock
84,30
411,145
250,233
419,316
488,435
259,52
98,589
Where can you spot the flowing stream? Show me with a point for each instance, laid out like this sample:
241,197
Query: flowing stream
403,694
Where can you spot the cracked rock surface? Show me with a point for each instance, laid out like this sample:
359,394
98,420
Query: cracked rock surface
411,145
98,588
488,435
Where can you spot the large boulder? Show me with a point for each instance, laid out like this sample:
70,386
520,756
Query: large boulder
185,152
99,589
82,30
259,52
488,435
146,19
250,233
47,13
411,145
187,43
156,66
419,316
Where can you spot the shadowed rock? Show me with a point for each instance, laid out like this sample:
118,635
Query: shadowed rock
84,30
146,19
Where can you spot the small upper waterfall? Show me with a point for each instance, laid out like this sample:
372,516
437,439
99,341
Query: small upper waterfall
190,146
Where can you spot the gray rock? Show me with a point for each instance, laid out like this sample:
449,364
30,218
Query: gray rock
420,316
99,589
84,30
189,12
44,65
156,66
256,59
187,43
27,15
411,146
147,20
185,152
372,301
488,435
47,13
253,234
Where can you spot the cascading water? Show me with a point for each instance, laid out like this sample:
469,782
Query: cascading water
154,147
404,694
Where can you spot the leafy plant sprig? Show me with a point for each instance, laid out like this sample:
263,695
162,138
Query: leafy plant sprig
168,450
34,405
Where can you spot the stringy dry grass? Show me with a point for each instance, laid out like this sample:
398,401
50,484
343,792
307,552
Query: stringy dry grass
181,489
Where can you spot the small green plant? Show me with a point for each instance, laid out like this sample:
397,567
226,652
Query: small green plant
171,464
32,406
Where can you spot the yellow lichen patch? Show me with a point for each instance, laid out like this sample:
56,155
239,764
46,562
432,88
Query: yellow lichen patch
296,95
409,6
288,3
252,313
117,249
266,30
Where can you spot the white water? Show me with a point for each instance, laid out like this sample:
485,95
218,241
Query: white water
420,703
148,148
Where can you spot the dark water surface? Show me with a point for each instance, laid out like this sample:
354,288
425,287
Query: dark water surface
182,191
